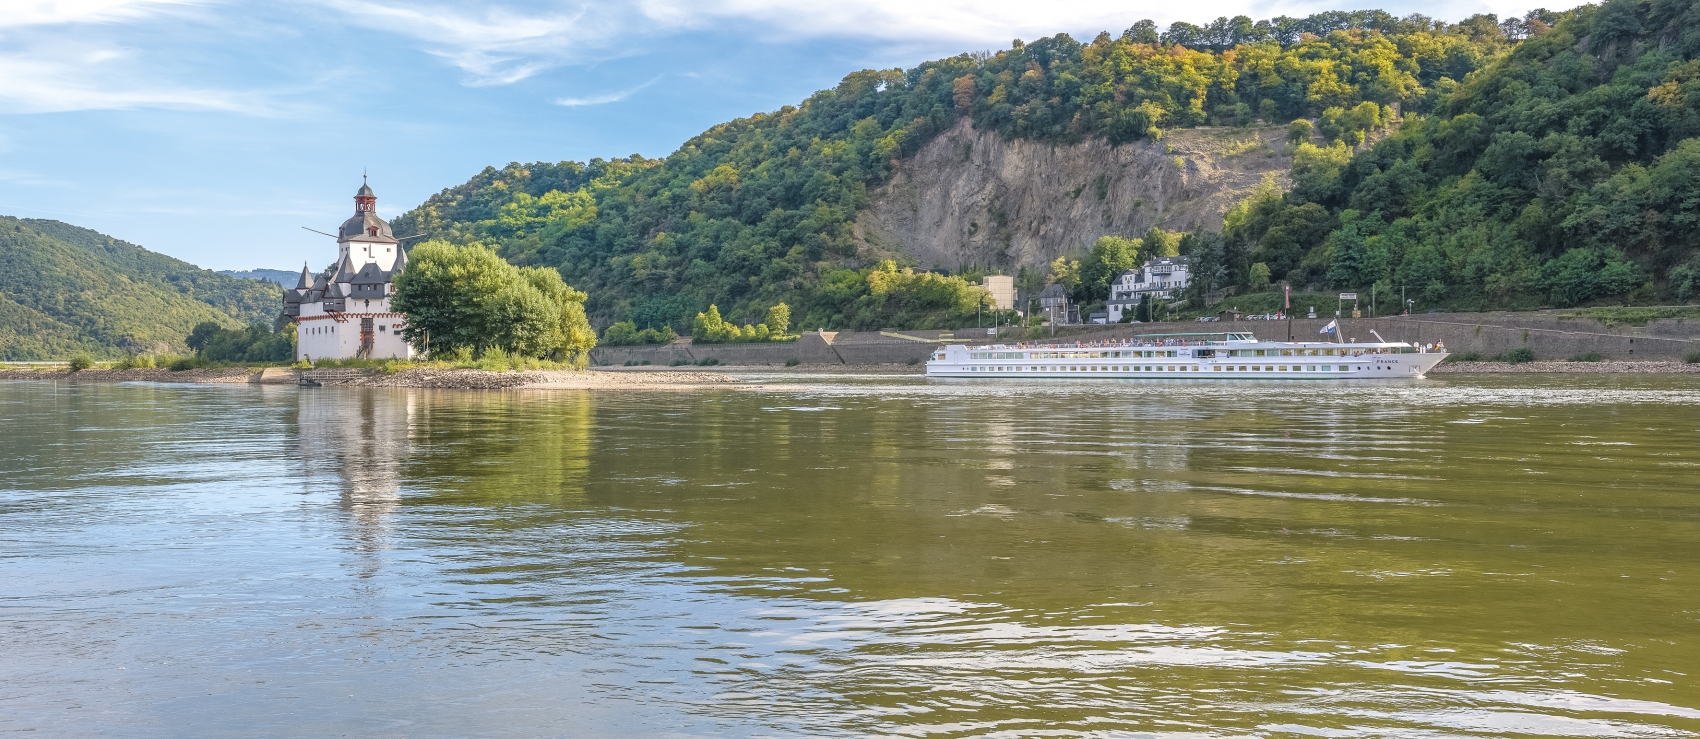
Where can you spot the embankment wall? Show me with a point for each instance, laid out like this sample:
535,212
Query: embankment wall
1547,336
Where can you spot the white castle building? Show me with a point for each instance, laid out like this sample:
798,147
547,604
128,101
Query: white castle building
1161,278
345,313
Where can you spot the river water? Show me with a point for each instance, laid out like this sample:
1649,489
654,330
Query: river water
853,556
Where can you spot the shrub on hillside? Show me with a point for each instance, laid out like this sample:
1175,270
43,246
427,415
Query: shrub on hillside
81,362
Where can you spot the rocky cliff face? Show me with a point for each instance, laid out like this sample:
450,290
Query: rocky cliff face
975,198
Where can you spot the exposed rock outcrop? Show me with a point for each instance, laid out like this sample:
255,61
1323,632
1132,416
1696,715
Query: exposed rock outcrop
976,198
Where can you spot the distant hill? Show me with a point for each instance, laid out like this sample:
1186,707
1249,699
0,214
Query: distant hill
282,277
65,289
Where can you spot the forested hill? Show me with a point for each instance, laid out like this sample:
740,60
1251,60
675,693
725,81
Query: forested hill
1565,172
65,289
762,209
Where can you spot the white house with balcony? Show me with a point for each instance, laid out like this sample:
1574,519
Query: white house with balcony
1162,278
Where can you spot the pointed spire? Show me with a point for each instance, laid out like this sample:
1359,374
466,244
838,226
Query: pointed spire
400,260
306,280
344,271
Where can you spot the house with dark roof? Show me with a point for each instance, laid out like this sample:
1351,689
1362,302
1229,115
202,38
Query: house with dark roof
344,312
1160,278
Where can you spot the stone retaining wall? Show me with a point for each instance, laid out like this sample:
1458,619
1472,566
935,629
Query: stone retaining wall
1547,335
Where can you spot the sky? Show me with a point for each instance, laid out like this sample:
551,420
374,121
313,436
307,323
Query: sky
214,130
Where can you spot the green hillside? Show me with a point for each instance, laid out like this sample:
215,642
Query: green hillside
760,210
282,277
1566,172
65,289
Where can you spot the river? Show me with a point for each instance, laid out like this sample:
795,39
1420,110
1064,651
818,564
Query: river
855,556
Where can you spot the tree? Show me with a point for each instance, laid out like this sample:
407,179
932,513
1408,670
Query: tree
1065,272
778,319
709,327
1107,259
1298,132
1143,32
1160,243
199,335
1259,280
466,296
621,333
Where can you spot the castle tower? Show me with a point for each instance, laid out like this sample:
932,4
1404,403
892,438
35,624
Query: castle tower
345,312
365,238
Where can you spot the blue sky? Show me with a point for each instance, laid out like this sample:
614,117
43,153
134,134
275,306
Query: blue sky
214,130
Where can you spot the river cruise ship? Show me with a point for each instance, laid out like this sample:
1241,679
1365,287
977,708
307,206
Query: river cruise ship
1215,356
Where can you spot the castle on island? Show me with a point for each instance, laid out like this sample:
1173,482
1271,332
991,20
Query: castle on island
344,312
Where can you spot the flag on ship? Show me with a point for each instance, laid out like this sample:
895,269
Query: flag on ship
1332,325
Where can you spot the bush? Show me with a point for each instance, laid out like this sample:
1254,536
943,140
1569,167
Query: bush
913,361
467,296
182,363
792,362
1691,358
81,362
1465,357
710,328
636,362
678,362
707,362
1589,357
1516,356
136,361
496,360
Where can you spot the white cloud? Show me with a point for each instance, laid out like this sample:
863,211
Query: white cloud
495,44
614,97
67,79
49,12
501,44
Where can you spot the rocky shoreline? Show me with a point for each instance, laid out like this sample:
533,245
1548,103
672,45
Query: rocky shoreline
418,377
1565,367
661,378
223,375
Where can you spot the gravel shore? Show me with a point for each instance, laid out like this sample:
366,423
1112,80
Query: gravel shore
234,375
656,378
1566,367
549,379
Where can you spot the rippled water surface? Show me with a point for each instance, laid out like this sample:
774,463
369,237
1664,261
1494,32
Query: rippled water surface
854,556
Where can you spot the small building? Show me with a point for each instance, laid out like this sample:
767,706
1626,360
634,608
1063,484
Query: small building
1002,288
1161,278
344,312
1054,302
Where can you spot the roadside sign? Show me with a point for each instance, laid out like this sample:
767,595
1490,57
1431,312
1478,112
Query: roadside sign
1348,296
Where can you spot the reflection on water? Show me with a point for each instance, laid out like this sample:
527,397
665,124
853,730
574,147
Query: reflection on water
854,556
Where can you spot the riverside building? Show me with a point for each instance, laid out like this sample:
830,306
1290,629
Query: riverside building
1161,278
344,313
